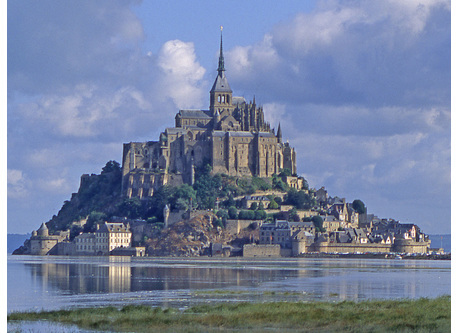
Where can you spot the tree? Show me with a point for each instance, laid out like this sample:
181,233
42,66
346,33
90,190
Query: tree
181,197
359,206
298,199
293,215
285,172
254,206
318,222
93,219
260,215
207,188
273,205
223,214
111,166
278,200
232,212
247,215
130,207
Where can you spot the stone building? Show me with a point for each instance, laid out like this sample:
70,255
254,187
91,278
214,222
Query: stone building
232,136
112,235
43,243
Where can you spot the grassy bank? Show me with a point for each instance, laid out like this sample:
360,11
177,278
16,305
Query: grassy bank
422,315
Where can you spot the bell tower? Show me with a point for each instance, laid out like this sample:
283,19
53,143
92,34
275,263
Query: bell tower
221,93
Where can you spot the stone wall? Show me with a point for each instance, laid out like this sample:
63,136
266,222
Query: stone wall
350,247
175,217
254,250
410,246
235,226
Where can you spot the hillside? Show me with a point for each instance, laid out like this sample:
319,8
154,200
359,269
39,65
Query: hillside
99,198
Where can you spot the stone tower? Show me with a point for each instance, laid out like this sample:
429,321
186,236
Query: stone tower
232,137
221,92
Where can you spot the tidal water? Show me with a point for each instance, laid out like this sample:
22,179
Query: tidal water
49,283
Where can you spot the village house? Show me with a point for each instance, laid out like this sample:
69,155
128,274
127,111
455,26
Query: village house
111,235
248,200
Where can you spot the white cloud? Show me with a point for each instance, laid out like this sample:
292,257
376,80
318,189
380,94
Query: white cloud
16,184
182,74
57,185
274,113
367,53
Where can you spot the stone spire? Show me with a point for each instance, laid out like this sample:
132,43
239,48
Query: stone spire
279,138
221,93
221,57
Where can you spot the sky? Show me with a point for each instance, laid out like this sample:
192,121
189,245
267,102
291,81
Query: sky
362,90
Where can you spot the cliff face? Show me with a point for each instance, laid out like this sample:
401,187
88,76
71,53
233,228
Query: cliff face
99,193
188,238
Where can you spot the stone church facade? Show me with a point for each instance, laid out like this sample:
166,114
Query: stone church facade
232,136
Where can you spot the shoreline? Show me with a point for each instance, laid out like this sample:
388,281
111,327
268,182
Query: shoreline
404,315
392,256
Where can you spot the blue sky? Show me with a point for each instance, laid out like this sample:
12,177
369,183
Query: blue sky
362,89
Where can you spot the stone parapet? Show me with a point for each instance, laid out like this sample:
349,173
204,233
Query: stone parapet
350,247
255,250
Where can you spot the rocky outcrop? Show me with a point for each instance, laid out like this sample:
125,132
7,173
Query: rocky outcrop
188,238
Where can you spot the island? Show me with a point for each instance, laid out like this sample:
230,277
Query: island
222,182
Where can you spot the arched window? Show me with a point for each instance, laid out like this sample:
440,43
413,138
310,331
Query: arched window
219,98
222,99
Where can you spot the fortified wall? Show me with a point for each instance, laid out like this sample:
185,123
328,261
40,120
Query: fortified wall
410,246
254,250
350,247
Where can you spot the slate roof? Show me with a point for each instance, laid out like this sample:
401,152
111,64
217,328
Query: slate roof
197,114
266,134
114,227
221,84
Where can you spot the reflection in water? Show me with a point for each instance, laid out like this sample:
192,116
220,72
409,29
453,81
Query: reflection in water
112,276
59,282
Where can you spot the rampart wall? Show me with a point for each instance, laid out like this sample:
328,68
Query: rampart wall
235,226
350,247
410,246
255,250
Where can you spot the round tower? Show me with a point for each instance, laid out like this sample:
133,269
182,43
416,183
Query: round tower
43,231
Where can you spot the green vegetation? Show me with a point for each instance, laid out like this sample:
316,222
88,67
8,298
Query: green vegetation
421,315
359,206
299,199
99,198
97,193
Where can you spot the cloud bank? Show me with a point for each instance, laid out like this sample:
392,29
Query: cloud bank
363,91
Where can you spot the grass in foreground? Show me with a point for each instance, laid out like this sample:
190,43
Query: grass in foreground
422,315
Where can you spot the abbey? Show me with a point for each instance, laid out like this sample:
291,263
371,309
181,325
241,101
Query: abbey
232,136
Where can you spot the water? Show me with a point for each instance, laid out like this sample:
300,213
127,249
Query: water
49,283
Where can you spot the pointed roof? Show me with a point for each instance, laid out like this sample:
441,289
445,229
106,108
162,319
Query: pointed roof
221,83
221,57
279,131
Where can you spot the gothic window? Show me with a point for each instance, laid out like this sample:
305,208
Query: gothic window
219,98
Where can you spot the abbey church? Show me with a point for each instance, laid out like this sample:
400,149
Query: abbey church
232,136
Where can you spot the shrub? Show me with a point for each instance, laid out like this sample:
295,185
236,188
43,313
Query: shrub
232,212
